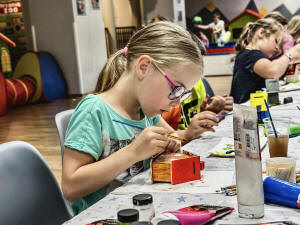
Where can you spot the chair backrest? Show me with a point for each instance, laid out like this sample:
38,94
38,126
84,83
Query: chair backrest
62,120
29,193
208,89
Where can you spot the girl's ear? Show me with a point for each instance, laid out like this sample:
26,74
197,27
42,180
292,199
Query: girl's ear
261,33
143,65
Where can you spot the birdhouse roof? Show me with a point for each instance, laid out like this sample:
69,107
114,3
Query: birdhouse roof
247,11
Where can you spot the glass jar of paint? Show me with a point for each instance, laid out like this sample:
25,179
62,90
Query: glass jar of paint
143,203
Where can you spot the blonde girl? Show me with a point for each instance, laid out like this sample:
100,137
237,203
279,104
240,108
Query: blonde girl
258,42
112,134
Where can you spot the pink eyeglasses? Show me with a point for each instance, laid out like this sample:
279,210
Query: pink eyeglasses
177,91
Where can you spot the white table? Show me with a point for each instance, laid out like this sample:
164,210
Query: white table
218,173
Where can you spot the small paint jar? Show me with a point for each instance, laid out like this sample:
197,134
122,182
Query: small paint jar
169,222
128,216
143,203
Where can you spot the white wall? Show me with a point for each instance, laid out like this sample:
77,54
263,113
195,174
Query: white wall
154,8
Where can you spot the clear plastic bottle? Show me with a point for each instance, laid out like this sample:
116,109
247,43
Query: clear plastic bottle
248,162
143,203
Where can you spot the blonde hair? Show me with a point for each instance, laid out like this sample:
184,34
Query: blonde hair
167,43
293,27
278,17
270,26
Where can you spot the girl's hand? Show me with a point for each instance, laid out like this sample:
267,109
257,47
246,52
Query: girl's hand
202,122
174,145
216,104
151,141
228,105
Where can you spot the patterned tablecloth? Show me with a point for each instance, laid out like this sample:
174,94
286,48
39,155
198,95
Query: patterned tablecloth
219,172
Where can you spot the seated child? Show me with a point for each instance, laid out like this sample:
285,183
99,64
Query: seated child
112,134
259,42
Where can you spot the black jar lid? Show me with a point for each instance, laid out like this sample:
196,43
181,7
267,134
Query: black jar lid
128,215
142,199
169,222
142,223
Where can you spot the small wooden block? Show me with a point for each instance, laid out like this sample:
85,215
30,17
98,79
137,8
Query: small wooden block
175,168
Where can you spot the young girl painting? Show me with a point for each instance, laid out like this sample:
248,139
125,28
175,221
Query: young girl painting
113,133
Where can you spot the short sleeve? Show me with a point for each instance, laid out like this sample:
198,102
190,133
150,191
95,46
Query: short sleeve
156,119
221,23
84,131
211,25
252,58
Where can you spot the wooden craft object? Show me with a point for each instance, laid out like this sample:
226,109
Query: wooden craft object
175,168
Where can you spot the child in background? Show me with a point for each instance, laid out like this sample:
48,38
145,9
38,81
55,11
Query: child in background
217,27
259,42
154,73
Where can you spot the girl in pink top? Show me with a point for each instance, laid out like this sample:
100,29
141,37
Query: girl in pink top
292,34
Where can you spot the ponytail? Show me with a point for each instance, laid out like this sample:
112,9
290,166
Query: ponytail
245,37
112,71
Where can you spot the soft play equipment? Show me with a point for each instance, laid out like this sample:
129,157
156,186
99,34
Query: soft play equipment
15,91
43,68
214,49
54,85
29,64
6,66
37,77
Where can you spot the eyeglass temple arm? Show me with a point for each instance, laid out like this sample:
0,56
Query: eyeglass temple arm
165,75
170,81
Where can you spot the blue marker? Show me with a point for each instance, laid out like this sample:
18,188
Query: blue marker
224,115
129,124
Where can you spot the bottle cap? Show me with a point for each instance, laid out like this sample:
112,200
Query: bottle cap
169,222
128,215
142,199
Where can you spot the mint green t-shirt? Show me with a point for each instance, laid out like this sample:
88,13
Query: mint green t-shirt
91,130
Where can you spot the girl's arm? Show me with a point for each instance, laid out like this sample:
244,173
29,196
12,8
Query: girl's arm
205,27
202,122
276,68
82,175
